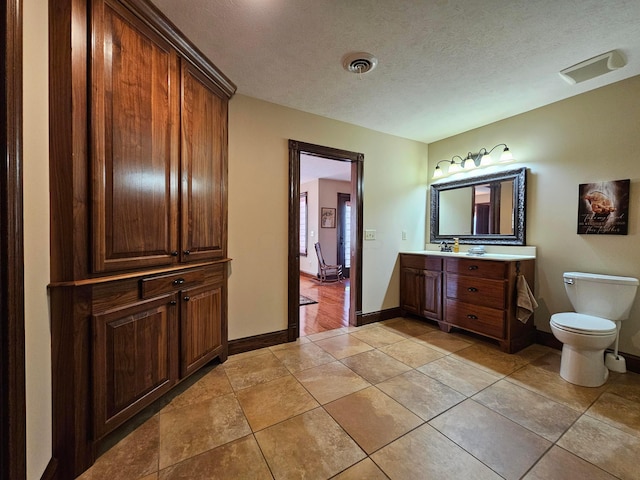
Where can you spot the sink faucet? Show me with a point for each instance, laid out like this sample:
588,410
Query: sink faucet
444,247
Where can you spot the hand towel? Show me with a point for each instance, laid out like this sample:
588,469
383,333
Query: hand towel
526,302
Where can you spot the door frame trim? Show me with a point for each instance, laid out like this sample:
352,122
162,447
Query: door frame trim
12,338
357,176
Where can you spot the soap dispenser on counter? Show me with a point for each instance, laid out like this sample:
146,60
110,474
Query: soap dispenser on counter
456,245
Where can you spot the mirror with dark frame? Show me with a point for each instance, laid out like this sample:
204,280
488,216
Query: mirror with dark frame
484,209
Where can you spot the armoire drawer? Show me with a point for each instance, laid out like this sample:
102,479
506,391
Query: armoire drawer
160,284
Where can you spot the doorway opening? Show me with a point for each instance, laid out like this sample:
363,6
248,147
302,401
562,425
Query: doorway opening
335,221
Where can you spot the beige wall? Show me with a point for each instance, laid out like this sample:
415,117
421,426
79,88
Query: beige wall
588,138
395,179
36,235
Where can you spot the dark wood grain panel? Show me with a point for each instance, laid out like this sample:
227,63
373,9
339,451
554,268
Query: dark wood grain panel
160,284
201,326
135,143
477,268
479,319
423,262
135,359
479,291
204,168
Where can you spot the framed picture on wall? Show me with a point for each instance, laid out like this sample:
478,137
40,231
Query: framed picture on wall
327,217
603,208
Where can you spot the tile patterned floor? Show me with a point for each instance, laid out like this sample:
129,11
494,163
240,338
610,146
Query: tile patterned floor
393,400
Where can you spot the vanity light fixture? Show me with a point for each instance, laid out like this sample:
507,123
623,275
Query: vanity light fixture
473,160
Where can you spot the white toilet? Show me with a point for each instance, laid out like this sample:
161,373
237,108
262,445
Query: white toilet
601,303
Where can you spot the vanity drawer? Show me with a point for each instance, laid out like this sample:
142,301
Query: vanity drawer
160,284
477,268
422,262
484,320
479,291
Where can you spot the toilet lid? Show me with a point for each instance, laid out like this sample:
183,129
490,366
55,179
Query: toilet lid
585,324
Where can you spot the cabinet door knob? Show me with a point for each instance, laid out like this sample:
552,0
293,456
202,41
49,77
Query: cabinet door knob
178,281
173,302
472,317
472,289
187,252
174,253
473,267
186,299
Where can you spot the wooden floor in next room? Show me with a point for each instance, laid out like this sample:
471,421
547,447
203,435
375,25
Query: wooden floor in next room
332,309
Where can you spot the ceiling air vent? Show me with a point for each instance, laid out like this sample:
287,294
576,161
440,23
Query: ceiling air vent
594,67
359,63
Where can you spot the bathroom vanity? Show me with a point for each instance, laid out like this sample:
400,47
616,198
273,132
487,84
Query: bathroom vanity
477,294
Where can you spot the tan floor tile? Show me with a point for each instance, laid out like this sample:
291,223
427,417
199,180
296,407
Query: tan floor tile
314,337
135,456
375,366
377,337
551,385
490,359
269,403
458,375
343,346
549,361
372,418
365,470
238,459
412,353
625,385
408,327
558,464
153,476
214,384
251,371
296,343
618,412
534,352
425,453
607,447
303,357
311,446
539,414
331,381
249,354
443,342
188,431
421,394
503,445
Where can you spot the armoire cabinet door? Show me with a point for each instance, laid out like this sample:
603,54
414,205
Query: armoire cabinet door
135,359
201,326
411,290
431,295
134,143
203,168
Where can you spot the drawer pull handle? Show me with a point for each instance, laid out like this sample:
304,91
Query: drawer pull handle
186,299
472,317
178,281
472,289
473,267
174,253
187,252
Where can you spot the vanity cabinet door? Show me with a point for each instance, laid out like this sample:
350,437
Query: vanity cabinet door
431,295
410,290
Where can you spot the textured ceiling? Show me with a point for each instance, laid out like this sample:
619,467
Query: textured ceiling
445,66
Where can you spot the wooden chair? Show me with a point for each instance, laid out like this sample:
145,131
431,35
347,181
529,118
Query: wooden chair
326,273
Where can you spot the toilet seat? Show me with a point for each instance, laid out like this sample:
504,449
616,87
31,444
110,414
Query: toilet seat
583,324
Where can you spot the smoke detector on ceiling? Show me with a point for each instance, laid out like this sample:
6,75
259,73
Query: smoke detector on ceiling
360,62
594,67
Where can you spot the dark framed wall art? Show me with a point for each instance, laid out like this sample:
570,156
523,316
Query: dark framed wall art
603,208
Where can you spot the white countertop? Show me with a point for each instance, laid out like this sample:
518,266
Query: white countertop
493,252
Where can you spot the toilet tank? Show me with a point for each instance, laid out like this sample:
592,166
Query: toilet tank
605,296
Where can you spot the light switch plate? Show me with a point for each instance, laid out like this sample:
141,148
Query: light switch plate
369,234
